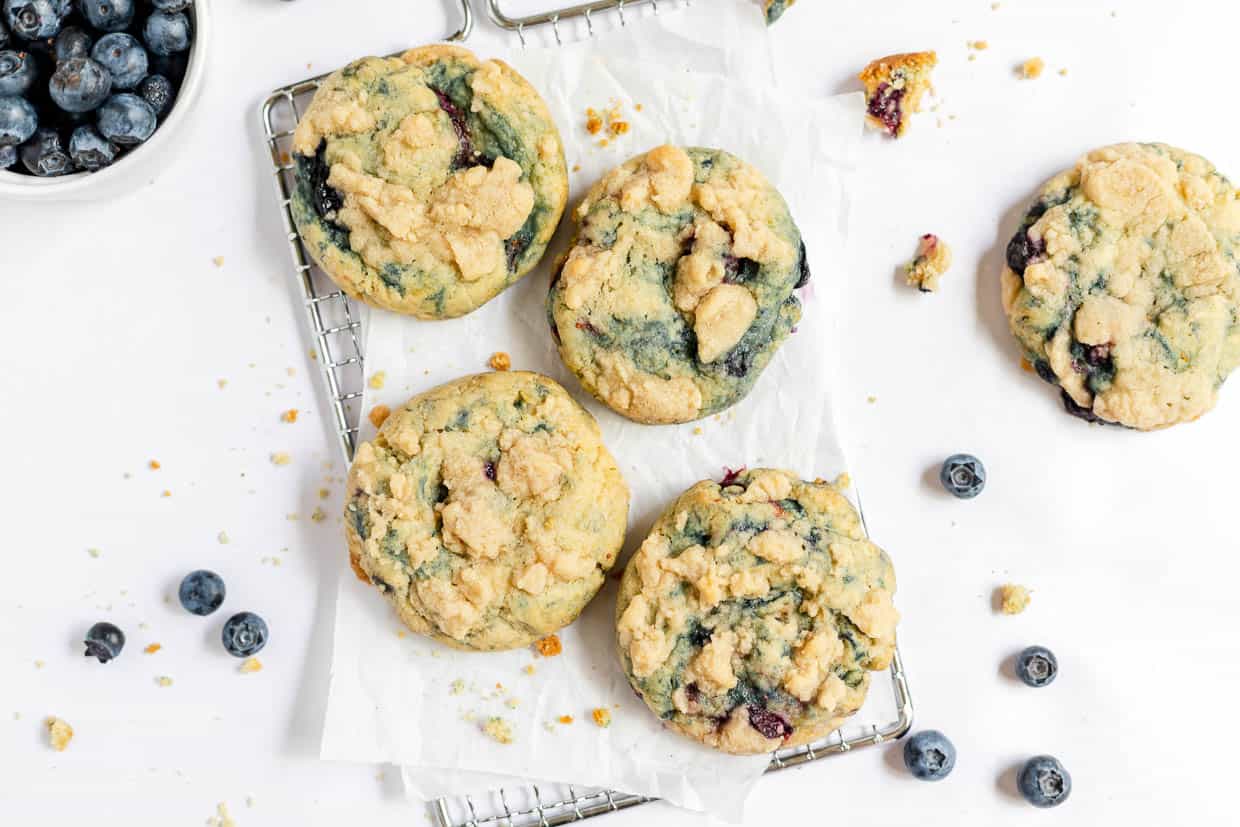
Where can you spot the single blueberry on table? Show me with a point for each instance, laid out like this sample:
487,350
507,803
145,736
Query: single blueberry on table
8,156
33,19
126,119
91,151
123,56
18,120
72,42
157,91
1037,666
1044,782
201,592
929,755
245,634
104,641
166,33
17,72
108,15
80,84
963,475
44,155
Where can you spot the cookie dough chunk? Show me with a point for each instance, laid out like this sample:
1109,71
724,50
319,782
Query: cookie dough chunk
933,259
1122,285
487,511
894,87
427,183
678,288
774,9
751,616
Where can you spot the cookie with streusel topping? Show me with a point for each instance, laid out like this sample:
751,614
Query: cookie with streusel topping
1122,285
678,288
752,615
429,182
487,510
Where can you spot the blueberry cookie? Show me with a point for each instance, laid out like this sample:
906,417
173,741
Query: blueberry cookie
678,288
751,616
428,183
894,87
487,510
1122,285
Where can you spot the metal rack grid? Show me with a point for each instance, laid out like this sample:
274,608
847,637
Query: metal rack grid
335,328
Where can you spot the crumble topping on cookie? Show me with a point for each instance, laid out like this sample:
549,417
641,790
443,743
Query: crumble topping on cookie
487,510
933,259
1122,285
679,286
894,87
751,615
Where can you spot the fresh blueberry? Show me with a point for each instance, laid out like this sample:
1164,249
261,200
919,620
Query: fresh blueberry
45,156
963,475
1044,782
33,19
8,156
18,120
166,33
157,91
126,119
17,73
1037,666
91,151
104,641
929,755
80,84
171,5
72,42
245,634
123,56
108,15
201,592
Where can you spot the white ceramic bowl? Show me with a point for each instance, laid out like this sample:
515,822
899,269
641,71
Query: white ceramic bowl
140,163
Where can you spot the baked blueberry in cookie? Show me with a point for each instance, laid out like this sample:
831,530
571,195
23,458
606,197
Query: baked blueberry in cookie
894,87
428,183
487,511
1122,285
753,613
678,288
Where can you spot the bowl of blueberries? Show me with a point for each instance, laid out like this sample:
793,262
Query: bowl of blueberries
89,87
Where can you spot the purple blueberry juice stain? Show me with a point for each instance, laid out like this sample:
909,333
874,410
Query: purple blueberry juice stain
769,724
730,476
885,106
466,155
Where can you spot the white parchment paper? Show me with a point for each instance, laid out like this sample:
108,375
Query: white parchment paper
401,699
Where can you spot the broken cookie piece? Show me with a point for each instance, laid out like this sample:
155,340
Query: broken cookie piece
59,733
894,87
933,259
1012,599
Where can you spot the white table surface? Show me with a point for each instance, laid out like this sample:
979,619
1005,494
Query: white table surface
118,326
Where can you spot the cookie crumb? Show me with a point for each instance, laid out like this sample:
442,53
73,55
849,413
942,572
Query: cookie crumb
165,493
576,167
223,539
1032,68
871,399
1063,73
457,687
978,45
59,733
218,261
38,664
549,646
318,515
281,458
164,681
499,730
512,703
250,665
565,719
500,361
894,88
594,123
221,817
376,380
154,465
933,259
324,493
221,383
602,717
529,669
152,648
378,415
1012,598
94,552
289,416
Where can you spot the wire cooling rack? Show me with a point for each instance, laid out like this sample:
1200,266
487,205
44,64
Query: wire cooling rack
335,331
